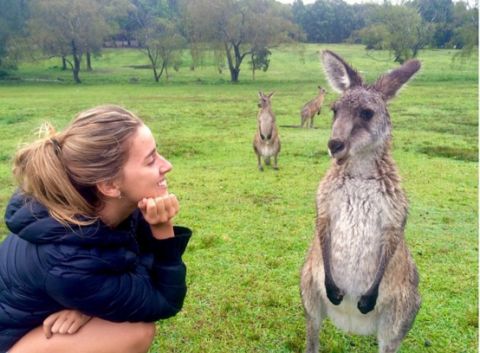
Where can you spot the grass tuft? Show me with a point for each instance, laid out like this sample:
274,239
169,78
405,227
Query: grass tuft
462,154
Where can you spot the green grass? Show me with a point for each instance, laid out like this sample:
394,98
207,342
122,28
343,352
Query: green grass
252,229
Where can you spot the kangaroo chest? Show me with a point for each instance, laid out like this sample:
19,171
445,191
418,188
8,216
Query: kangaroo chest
268,149
357,212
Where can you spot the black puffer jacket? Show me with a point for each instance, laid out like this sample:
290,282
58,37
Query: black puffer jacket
120,274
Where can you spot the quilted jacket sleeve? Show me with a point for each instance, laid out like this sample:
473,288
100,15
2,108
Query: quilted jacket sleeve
118,285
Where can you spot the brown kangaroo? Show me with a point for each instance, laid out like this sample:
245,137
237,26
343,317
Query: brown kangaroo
311,108
266,142
359,271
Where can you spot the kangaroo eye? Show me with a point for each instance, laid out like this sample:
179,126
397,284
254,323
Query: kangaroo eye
366,114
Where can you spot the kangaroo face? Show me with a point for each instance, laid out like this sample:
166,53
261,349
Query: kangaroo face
263,101
360,124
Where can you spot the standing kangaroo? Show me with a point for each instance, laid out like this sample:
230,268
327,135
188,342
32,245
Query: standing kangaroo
266,143
358,271
311,108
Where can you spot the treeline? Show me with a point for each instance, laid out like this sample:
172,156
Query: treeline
404,29
235,31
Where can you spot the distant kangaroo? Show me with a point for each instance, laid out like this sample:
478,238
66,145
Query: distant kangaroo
311,108
358,271
266,143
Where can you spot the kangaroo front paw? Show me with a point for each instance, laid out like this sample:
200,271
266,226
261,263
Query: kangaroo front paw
334,294
367,303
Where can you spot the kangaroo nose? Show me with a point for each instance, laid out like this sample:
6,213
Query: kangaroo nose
335,146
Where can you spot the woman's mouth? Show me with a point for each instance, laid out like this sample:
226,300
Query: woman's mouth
162,184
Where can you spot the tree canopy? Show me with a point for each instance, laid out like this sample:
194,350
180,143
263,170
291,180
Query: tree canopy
230,29
240,28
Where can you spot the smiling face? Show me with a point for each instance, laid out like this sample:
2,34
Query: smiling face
144,172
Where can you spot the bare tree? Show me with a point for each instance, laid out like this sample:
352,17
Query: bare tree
158,35
239,27
68,29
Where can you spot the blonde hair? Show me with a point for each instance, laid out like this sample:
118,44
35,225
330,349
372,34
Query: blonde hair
61,170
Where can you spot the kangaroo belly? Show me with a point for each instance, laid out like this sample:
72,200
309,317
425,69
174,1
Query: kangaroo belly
356,237
348,318
268,149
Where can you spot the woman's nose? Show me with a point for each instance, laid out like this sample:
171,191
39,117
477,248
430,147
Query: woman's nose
165,165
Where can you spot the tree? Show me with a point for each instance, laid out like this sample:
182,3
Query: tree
68,29
397,28
12,23
375,36
465,34
437,15
158,34
260,60
327,21
238,27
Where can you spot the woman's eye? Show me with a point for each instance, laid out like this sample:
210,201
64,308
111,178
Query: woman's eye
366,114
152,161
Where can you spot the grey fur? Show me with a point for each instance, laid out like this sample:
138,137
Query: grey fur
266,142
312,108
359,271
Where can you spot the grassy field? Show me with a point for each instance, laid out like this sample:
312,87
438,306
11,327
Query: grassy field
252,229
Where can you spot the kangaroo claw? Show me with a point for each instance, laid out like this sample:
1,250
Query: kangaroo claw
334,294
367,303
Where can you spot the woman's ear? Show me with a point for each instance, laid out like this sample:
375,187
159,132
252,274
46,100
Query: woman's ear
109,188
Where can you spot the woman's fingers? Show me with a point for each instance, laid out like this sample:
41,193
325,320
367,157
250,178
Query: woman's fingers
160,209
64,322
78,323
48,323
152,209
174,206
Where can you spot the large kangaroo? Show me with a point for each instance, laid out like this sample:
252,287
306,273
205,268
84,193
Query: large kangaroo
266,142
358,271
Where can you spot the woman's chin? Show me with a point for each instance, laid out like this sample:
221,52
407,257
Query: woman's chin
160,192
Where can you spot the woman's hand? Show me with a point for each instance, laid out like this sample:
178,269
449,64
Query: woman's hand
64,321
159,213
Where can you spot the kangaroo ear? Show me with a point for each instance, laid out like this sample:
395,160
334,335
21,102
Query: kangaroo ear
260,94
340,75
390,83
271,94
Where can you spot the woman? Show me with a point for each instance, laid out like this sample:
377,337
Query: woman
93,258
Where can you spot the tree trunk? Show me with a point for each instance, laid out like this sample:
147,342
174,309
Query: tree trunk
89,61
76,68
153,61
253,66
76,63
64,63
233,67
234,74
164,66
155,76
